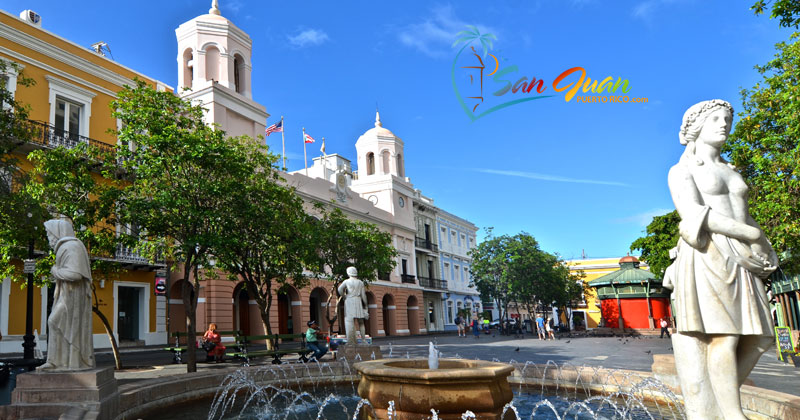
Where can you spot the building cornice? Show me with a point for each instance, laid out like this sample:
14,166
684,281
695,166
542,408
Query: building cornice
69,58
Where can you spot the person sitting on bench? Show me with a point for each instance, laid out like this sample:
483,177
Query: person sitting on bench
217,352
312,335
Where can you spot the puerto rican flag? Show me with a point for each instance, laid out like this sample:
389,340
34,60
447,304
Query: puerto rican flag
275,128
307,138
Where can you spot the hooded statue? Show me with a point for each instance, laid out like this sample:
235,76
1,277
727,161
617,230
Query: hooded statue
69,341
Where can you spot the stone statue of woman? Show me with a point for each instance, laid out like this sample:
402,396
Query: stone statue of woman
69,339
721,307
355,305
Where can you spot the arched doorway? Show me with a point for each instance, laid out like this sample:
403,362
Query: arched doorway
388,308
317,301
340,319
412,310
289,312
241,310
372,323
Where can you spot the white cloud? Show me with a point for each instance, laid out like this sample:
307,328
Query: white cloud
309,38
435,35
647,9
233,6
644,218
545,177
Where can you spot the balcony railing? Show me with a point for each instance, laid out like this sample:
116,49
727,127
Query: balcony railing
426,244
49,136
433,283
407,278
129,255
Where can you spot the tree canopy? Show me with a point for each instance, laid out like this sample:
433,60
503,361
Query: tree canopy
662,235
181,175
765,149
787,11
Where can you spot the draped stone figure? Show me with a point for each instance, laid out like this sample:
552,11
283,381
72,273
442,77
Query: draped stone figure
69,339
355,305
721,307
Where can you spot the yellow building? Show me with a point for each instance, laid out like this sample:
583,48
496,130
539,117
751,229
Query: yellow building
69,104
593,268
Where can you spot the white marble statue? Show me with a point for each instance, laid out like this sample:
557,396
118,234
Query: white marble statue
69,339
355,305
721,307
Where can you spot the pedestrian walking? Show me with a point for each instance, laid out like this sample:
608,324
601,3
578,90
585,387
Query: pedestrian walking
664,328
476,328
540,327
549,328
460,326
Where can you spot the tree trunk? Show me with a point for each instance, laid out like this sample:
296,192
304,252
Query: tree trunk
265,315
190,295
110,334
332,320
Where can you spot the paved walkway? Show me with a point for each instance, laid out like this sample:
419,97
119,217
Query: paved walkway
608,352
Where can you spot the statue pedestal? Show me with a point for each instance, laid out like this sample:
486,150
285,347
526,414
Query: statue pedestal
90,393
365,352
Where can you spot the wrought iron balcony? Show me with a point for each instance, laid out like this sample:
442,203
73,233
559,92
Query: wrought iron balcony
46,135
129,255
408,278
426,244
432,283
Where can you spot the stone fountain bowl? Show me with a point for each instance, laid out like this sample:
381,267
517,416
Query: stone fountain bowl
457,386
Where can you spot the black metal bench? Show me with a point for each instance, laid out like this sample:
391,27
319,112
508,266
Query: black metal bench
282,344
178,349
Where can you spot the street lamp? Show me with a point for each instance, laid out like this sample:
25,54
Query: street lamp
29,267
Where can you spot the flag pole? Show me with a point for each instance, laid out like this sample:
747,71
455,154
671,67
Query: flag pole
305,158
283,144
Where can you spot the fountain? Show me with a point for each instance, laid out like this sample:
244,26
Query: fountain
456,386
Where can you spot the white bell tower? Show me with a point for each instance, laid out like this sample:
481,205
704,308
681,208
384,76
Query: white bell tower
214,63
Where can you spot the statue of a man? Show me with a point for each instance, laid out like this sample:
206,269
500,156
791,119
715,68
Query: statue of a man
69,340
721,308
355,305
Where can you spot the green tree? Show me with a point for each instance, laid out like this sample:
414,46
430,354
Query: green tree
65,182
180,180
489,270
788,11
21,215
662,235
266,238
765,149
342,242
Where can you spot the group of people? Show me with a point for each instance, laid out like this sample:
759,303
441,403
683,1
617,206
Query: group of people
216,352
545,328
477,325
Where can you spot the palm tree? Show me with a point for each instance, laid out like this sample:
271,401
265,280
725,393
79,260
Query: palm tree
467,36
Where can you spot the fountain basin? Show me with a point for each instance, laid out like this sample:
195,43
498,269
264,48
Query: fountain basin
458,385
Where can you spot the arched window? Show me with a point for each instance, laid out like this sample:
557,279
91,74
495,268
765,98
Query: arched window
370,163
400,172
212,63
385,161
238,73
188,68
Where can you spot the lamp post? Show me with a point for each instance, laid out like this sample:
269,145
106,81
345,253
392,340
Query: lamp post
29,267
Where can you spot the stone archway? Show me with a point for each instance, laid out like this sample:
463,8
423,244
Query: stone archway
290,312
241,310
372,323
412,310
389,319
317,302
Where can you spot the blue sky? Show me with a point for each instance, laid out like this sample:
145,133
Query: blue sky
577,176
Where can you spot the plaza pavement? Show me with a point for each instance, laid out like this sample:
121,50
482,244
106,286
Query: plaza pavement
608,352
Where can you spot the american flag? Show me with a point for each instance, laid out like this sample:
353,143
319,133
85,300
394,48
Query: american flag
275,128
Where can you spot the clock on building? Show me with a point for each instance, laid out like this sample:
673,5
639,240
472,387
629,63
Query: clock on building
402,202
373,199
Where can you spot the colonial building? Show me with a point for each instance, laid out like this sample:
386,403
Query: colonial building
631,297
456,240
69,105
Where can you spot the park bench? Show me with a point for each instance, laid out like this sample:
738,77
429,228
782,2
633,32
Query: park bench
178,349
283,344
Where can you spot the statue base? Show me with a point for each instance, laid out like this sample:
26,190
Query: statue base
359,353
85,394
